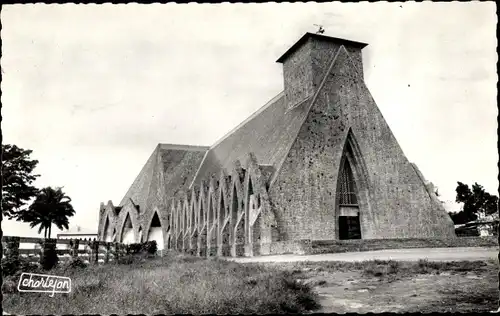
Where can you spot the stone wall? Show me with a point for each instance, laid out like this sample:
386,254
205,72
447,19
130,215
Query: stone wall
394,202
297,247
336,246
298,76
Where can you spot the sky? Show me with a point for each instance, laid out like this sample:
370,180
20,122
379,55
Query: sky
92,89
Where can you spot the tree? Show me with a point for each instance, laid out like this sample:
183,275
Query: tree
476,202
51,206
17,179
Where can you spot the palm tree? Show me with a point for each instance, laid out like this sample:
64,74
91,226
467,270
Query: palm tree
51,206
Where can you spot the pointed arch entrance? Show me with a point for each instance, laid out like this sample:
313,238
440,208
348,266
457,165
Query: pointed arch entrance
348,221
107,237
156,231
352,191
128,231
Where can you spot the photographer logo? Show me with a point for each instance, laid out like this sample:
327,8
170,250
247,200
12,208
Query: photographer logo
43,283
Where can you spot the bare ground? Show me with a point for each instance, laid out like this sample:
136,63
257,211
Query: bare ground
460,288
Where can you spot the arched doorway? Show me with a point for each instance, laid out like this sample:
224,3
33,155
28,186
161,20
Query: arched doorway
156,232
348,203
139,237
107,237
128,232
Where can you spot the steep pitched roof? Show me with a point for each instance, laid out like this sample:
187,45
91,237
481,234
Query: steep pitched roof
267,133
180,165
170,168
139,190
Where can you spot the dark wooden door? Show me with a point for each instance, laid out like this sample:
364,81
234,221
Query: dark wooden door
349,227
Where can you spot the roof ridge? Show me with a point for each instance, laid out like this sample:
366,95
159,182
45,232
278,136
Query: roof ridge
199,167
155,170
248,119
181,146
252,116
139,175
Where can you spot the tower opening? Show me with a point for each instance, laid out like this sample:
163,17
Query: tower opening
348,219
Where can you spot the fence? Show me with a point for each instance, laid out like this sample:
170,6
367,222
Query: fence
89,250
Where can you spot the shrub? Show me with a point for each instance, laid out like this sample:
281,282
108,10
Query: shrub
138,252
132,249
77,263
9,286
10,266
148,247
16,266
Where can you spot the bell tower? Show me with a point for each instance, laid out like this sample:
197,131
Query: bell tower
306,62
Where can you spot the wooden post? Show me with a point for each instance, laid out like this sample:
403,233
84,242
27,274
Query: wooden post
118,251
74,246
108,248
89,246
95,249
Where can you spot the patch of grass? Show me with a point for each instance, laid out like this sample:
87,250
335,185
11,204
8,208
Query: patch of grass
468,297
381,268
317,283
388,267
175,284
429,267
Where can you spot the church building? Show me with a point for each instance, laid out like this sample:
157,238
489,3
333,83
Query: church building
317,162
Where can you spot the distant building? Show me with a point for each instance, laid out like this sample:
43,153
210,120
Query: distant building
317,162
78,233
485,225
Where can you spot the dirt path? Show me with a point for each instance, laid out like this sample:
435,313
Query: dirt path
422,293
353,292
475,290
414,254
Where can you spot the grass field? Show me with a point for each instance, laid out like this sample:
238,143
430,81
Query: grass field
169,285
179,284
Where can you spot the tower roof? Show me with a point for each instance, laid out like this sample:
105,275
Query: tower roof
308,35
